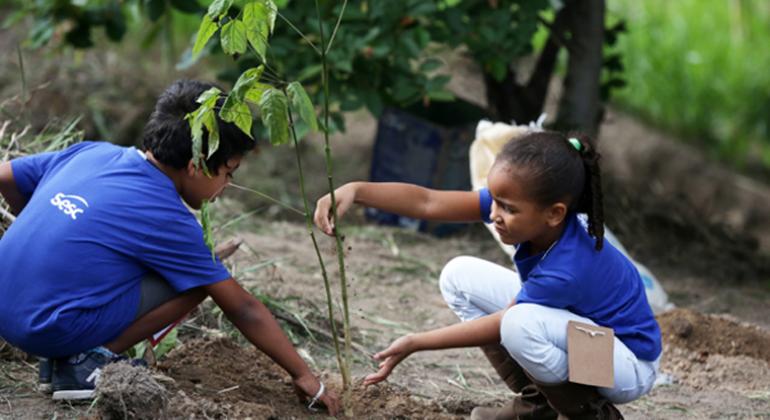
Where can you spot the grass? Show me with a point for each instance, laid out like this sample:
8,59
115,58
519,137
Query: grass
699,69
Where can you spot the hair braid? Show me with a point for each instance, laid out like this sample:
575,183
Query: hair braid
592,198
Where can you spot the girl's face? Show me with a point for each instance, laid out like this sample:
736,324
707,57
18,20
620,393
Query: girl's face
200,187
516,217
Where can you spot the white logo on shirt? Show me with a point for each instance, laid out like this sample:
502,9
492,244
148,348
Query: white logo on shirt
69,208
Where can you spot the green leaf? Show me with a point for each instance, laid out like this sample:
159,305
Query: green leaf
196,129
210,122
302,104
255,18
441,96
41,32
272,13
209,97
430,65
218,8
243,118
234,37
208,236
274,108
235,111
207,29
167,344
247,79
254,94
13,19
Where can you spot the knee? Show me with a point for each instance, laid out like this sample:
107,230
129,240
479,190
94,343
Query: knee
518,329
455,269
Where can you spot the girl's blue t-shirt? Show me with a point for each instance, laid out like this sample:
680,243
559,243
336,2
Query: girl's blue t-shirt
603,286
99,218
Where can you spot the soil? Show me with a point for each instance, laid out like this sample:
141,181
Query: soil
226,380
709,334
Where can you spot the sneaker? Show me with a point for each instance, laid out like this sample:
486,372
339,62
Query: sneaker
75,377
45,372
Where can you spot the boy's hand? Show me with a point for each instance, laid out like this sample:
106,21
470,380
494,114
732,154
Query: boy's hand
344,196
391,356
308,386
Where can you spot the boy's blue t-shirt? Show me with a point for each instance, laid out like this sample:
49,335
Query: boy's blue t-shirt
99,218
603,286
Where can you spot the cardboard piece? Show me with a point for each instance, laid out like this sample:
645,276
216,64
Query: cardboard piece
590,354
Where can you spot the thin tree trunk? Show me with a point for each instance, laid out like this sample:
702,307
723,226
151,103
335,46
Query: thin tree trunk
509,101
580,107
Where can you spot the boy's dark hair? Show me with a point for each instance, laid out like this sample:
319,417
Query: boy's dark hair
167,134
556,170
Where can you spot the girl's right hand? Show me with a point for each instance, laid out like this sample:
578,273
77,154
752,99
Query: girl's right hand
391,356
324,218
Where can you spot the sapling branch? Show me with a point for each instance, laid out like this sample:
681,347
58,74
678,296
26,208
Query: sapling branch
291,25
329,172
336,26
309,224
267,197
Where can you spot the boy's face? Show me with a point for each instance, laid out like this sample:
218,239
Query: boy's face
197,187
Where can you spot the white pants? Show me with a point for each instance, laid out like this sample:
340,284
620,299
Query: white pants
534,335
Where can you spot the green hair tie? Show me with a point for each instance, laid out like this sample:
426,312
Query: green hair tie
576,144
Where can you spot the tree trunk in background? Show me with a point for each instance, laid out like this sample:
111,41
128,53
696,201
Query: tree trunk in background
580,107
509,101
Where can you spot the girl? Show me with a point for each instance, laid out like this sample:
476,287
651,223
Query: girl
544,197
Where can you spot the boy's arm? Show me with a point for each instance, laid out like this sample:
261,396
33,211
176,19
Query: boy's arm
405,199
9,190
259,326
479,332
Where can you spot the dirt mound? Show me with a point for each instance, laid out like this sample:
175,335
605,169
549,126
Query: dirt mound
709,334
666,231
127,391
717,372
218,378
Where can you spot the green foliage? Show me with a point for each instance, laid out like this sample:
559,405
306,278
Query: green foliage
219,8
259,18
495,33
699,68
234,37
78,19
207,29
302,105
208,236
202,117
167,344
274,108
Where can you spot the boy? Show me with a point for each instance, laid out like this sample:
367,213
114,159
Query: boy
104,253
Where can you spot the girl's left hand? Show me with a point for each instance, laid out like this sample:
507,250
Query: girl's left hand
391,356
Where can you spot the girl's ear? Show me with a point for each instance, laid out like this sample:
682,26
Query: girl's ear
555,214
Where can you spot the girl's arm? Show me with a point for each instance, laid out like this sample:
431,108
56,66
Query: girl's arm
8,189
479,332
405,199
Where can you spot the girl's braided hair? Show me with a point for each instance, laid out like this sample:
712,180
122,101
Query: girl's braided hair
559,168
